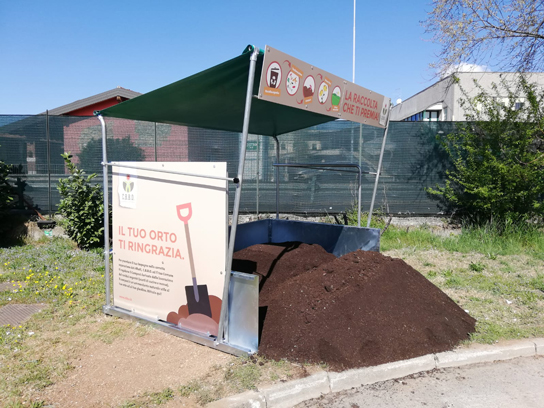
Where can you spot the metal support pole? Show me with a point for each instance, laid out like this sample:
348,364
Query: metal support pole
360,161
155,141
258,172
379,169
106,210
360,175
48,137
277,178
223,333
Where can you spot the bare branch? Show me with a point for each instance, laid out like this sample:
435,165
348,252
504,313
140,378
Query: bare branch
509,34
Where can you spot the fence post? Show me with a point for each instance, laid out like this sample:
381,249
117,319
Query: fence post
48,141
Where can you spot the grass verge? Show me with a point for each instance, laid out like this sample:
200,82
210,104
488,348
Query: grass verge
495,274
70,283
497,277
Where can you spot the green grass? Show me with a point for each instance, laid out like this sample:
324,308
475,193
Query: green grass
243,375
497,274
70,282
489,241
55,272
150,399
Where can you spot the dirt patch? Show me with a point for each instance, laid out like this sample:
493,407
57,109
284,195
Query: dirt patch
106,375
362,309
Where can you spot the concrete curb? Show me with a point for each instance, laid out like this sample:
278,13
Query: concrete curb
286,395
250,399
484,354
370,375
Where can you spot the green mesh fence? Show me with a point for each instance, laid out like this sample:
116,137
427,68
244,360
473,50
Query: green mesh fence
412,160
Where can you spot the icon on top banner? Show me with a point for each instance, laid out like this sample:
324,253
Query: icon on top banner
292,82
273,79
323,92
336,98
308,89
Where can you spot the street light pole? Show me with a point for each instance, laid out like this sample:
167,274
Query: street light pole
353,80
354,7
353,77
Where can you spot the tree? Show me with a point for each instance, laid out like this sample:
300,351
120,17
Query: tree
510,33
122,149
497,156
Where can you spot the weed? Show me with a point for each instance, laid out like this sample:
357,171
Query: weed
476,266
161,397
18,404
150,399
537,282
130,404
189,389
110,330
243,374
432,274
454,281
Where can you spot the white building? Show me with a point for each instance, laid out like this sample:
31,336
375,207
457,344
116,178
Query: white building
440,101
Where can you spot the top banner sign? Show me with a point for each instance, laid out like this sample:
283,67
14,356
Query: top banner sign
292,82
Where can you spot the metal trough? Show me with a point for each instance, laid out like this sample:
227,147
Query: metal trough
335,239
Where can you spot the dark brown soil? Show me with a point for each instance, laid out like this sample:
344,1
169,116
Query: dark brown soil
362,309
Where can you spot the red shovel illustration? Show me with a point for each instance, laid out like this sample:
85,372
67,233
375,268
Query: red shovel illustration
197,295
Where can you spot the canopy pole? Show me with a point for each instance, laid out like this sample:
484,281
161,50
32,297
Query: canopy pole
223,333
277,178
379,169
360,161
106,190
360,177
258,172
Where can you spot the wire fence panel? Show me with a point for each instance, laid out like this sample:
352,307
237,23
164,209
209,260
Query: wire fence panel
412,160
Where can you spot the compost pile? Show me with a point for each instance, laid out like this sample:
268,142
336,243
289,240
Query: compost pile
362,309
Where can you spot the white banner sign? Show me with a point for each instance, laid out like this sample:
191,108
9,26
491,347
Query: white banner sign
170,241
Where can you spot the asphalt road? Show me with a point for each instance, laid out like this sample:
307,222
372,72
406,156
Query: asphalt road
517,383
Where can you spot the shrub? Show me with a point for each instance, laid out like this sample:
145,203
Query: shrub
497,156
82,206
5,189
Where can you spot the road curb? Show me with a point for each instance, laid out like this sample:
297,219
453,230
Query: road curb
370,375
250,399
485,353
288,394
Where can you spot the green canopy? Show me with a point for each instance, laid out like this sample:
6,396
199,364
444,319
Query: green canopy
215,99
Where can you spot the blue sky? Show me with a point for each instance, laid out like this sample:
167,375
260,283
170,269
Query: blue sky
53,53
